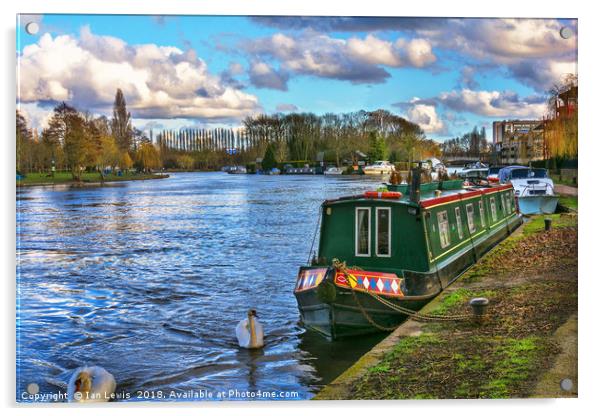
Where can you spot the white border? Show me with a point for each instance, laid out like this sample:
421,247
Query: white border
590,62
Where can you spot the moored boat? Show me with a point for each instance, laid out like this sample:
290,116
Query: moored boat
380,167
237,170
533,188
403,249
333,170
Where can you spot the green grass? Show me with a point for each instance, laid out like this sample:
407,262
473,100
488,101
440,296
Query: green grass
536,223
89,177
459,297
570,202
516,359
563,181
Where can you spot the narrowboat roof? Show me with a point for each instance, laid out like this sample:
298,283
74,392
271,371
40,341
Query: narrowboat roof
428,198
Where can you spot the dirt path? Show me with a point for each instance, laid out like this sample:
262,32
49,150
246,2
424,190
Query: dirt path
565,190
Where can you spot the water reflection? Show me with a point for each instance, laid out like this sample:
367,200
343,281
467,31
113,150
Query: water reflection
148,279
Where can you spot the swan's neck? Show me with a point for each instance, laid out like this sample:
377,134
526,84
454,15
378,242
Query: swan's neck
253,340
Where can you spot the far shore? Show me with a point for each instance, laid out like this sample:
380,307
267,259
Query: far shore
92,179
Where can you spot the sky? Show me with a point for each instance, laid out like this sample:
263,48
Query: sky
446,75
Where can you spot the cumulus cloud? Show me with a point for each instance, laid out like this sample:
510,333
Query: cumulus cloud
501,104
531,50
263,75
158,81
498,104
358,60
425,115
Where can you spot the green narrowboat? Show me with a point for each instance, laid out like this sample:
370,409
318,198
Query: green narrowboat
404,249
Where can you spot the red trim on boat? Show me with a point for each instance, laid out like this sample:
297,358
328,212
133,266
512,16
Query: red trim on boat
448,198
497,188
382,195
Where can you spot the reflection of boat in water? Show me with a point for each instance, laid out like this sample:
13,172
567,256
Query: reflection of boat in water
331,358
380,167
401,249
333,170
533,188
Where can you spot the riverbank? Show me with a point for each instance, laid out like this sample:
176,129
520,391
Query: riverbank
93,178
525,348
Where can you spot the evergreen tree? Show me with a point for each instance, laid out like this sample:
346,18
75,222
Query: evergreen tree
269,159
378,147
121,124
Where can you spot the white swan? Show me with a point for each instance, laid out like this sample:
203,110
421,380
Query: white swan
90,384
249,331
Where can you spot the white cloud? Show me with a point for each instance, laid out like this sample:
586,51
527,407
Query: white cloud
531,49
425,115
358,60
501,104
263,75
158,81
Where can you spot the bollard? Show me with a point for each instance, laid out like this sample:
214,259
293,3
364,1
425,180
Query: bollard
479,308
547,223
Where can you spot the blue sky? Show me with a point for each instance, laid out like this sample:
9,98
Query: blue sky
447,75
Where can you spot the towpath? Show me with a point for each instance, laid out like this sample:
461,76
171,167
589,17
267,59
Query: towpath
525,348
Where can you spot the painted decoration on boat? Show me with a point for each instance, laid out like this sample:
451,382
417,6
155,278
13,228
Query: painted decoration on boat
387,284
310,278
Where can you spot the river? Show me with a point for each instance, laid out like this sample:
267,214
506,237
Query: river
148,279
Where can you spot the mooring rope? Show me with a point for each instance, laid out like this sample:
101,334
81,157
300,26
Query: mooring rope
313,241
342,267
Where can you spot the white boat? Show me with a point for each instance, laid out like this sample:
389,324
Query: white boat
533,188
237,170
380,167
333,170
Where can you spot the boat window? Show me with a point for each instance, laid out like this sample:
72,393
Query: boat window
493,210
443,228
470,218
362,232
383,232
459,223
482,214
503,204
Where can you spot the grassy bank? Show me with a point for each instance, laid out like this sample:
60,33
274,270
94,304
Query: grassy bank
33,179
531,282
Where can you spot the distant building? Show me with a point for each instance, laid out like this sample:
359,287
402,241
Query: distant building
518,141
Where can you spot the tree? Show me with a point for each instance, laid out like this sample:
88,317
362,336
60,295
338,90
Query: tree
147,157
121,124
76,144
24,144
378,147
125,161
185,162
109,154
269,159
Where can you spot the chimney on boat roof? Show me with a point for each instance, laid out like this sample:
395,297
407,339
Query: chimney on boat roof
415,184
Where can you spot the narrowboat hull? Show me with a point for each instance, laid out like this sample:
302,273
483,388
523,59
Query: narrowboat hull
538,204
327,304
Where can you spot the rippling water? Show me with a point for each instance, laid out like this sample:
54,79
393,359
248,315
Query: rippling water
149,279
